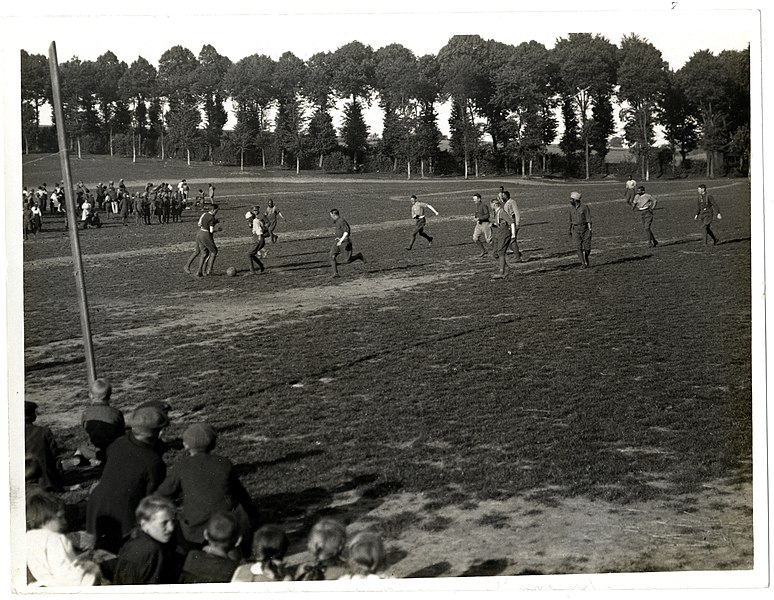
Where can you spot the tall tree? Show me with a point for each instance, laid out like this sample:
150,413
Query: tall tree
78,81
396,74
353,74
35,92
250,83
428,91
587,73
207,85
290,73
177,71
109,73
354,130
677,114
318,87
138,87
705,82
463,80
524,92
642,77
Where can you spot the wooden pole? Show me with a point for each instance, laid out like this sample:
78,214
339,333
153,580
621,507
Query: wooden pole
72,221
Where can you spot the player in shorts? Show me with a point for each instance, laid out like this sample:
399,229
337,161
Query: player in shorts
205,243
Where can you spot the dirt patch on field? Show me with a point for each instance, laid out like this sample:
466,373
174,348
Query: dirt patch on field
519,536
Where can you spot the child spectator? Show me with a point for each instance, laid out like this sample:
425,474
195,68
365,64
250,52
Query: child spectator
217,561
270,544
27,222
206,483
102,423
365,556
325,544
39,442
51,558
133,470
149,554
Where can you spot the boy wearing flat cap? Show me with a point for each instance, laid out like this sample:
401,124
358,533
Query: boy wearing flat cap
580,228
204,484
133,469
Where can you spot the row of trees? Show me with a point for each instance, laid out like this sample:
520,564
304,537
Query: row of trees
508,104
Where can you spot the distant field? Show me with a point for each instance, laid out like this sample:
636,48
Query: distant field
558,421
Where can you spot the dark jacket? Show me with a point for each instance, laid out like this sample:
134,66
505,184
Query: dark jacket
206,483
133,470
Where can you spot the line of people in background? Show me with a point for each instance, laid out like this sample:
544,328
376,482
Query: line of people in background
147,524
163,204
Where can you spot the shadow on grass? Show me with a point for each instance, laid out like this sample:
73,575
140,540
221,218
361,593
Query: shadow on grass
488,568
242,469
434,570
306,253
303,266
300,510
47,364
679,242
734,241
619,261
399,268
532,224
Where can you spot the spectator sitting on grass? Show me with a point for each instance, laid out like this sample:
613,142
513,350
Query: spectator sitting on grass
51,558
325,544
270,544
102,423
39,442
206,483
133,470
32,474
149,554
217,561
365,556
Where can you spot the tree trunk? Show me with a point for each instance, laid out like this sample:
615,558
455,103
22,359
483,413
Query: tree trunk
263,157
242,159
111,141
162,143
26,144
586,152
298,165
134,149
523,166
408,168
476,164
282,158
188,156
422,167
530,167
79,147
394,164
321,159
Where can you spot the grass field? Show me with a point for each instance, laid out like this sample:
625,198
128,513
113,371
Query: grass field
557,421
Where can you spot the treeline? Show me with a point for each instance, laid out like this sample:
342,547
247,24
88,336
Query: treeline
507,103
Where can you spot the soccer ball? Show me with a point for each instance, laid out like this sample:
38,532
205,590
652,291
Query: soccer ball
231,271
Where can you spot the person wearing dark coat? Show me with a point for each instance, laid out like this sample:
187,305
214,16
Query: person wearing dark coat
39,443
133,469
204,484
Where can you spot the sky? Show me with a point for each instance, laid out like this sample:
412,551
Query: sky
237,32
